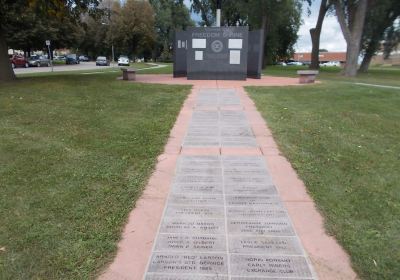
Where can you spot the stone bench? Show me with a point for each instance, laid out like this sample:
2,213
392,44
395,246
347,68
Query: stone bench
307,76
128,74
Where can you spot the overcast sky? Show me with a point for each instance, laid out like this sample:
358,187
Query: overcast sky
331,36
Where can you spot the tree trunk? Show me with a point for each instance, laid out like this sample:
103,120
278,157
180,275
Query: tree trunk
315,35
366,62
370,51
352,31
6,71
353,51
264,35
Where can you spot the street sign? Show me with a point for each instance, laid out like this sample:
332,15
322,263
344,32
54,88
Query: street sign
50,55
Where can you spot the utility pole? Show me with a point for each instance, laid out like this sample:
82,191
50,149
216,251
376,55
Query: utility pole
218,23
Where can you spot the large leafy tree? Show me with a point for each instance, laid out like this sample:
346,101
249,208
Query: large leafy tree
280,20
380,26
391,39
35,29
233,12
127,26
13,16
132,28
170,15
206,10
94,39
99,29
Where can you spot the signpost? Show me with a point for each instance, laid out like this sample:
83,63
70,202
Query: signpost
50,56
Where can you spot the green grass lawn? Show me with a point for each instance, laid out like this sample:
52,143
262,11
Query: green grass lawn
344,142
162,70
75,153
144,68
375,75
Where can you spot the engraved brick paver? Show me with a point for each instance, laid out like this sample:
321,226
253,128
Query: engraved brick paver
224,218
216,127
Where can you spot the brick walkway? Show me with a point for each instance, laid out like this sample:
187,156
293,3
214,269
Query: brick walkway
223,203
224,218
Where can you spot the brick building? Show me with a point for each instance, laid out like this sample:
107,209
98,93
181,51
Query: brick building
323,57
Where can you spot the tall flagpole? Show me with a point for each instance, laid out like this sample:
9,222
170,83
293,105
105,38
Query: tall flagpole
218,23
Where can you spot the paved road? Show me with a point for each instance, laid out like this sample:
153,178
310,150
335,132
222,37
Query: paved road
60,68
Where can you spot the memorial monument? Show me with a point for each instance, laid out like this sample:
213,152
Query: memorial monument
218,53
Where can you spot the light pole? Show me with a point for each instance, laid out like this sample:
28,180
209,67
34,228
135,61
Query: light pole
112,45
218,20
112,52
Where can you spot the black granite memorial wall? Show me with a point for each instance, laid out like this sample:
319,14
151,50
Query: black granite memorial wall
218,53
179,56
255,54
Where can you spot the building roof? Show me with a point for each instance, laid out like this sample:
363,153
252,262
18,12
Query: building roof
323,56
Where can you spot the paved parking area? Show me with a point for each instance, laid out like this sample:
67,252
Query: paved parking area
60,68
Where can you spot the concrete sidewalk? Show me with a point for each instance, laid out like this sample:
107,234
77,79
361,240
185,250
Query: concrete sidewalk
224,204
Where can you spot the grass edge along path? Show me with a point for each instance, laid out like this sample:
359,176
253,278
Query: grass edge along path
76,152
343,141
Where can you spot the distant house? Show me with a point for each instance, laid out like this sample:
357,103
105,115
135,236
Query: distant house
323,57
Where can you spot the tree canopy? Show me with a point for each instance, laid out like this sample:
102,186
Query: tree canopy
170,15
146,28
281,20
380,25
25,24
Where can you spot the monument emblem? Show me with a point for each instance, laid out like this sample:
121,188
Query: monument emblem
217,46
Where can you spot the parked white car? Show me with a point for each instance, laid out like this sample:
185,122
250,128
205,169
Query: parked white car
123,61
331,63
296,63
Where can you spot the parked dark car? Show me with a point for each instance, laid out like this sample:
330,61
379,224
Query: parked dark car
18,61
102,61
72,59
83,58
38,60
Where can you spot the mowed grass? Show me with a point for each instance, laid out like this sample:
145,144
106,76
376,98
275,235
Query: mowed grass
344,142
75,154
168,69
382,75
143,68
